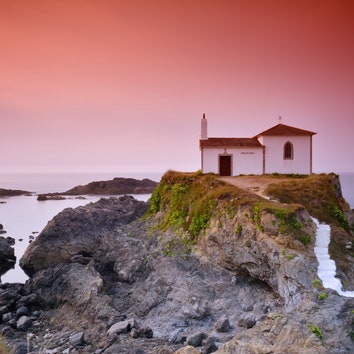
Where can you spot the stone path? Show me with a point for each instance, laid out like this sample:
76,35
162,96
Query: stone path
255,184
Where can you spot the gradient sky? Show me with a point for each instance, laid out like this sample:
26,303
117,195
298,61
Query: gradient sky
116,85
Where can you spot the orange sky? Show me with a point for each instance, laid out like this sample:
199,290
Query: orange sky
115,85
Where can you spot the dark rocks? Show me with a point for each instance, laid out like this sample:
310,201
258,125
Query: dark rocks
196,340
130,326
77,339
51,196
9,297
12,192
24,323
122,327
7,254
247,321
145,332
18,316
22,311
115,186
222,325
209,346
7,317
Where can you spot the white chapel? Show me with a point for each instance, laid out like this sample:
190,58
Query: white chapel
280,149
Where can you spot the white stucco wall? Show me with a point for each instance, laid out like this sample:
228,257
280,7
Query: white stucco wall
244,160
274,154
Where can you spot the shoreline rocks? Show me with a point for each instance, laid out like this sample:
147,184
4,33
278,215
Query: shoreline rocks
7,252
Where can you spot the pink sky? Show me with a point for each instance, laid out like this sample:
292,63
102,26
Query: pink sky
120,86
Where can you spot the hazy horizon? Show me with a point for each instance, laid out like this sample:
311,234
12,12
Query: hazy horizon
117,85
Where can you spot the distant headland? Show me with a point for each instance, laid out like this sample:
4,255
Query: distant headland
116,186
12,192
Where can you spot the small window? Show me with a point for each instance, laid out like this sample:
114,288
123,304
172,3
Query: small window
288,151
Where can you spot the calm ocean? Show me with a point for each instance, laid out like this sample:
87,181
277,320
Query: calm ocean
24,217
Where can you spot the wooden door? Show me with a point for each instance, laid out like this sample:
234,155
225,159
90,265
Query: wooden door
225,165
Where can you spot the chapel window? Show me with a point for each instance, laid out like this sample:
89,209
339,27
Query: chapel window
288,151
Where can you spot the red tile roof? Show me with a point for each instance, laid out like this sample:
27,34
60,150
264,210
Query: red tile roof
230,142
282,129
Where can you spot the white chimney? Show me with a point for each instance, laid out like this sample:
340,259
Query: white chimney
204,128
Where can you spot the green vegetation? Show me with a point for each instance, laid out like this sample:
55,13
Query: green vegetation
288,224
188,201
277,315
322,295
238,230
256,217
317,284
316,330
339,215
288,256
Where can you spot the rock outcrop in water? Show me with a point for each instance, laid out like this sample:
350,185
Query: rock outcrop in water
7,252
209,268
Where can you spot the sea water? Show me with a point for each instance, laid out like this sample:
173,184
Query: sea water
24,217
326,266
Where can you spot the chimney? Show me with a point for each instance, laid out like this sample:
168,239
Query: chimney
204,128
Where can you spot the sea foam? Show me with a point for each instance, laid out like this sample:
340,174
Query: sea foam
327,267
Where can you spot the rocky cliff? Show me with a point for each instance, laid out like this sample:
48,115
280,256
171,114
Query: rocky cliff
203,267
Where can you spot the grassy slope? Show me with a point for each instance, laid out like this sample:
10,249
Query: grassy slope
187,201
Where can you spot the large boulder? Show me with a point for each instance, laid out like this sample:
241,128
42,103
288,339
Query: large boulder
77,233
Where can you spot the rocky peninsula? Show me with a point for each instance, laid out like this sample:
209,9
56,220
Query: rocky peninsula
204,267
12,192
116,186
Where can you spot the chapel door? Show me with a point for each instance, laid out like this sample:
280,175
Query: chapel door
225,165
